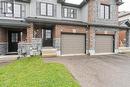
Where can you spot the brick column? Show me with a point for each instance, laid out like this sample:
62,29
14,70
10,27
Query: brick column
91,33
116,41
30,33
3,41
56,39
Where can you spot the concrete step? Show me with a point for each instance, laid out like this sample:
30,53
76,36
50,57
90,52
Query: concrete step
49,52
124,49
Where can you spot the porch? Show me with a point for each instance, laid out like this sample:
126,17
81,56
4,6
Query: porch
11,35
39,38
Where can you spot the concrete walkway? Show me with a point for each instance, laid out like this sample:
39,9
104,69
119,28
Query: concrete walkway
98,71
7,59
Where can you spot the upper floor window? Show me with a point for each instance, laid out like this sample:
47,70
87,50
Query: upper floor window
46,9
105,11
17,10
69,13
9,9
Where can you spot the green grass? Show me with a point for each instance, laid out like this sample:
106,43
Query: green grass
33,72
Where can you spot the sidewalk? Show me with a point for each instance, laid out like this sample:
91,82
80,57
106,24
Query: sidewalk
7,59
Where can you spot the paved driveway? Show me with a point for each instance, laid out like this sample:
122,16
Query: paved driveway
98,71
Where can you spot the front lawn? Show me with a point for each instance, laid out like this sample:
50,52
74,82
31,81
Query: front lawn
33,72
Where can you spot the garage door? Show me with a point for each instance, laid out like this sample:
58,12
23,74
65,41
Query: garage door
73,44
104,44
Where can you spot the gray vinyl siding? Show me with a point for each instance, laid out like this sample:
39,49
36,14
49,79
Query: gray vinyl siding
58,12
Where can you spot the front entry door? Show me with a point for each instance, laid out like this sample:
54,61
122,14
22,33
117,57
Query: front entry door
47,38
13,39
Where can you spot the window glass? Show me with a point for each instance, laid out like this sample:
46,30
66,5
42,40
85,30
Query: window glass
14,37
12,9
9,8
43,9
102,11
48,34
65,12
69,13
3,7
72,13
46,9
50,9
17,10
107,12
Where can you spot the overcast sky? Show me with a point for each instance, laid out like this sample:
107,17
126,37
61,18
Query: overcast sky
124,7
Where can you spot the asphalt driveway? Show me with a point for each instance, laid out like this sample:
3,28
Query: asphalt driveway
98,71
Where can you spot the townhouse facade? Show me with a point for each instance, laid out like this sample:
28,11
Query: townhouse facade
33,26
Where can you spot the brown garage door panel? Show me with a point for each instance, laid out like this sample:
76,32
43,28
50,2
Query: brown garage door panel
73,44
104,44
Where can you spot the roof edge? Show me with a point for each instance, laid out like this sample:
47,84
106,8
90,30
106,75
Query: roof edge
73,5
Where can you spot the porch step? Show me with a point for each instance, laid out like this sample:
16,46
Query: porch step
124,49
12,53
49,52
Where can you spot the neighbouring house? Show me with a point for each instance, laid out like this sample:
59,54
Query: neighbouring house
124,20
57,27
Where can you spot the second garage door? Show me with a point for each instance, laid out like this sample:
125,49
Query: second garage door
73,44
104,44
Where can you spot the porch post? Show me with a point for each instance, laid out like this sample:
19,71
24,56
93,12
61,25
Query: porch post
116,47
57,38
91,33
30,30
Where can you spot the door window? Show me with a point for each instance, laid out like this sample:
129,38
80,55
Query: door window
48,34
14,37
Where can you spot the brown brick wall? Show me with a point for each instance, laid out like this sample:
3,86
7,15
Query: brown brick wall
67,29
122,38
3,35
91,11
30,33
91,35
24,36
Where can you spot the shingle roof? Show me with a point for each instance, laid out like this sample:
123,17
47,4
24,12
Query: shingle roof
123,13
55,21
125,23
13,23
80,5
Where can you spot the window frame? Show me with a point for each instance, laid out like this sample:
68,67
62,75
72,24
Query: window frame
104,11
4,10
20,10
69,13
46,9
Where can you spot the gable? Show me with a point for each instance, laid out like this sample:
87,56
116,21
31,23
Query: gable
125,23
